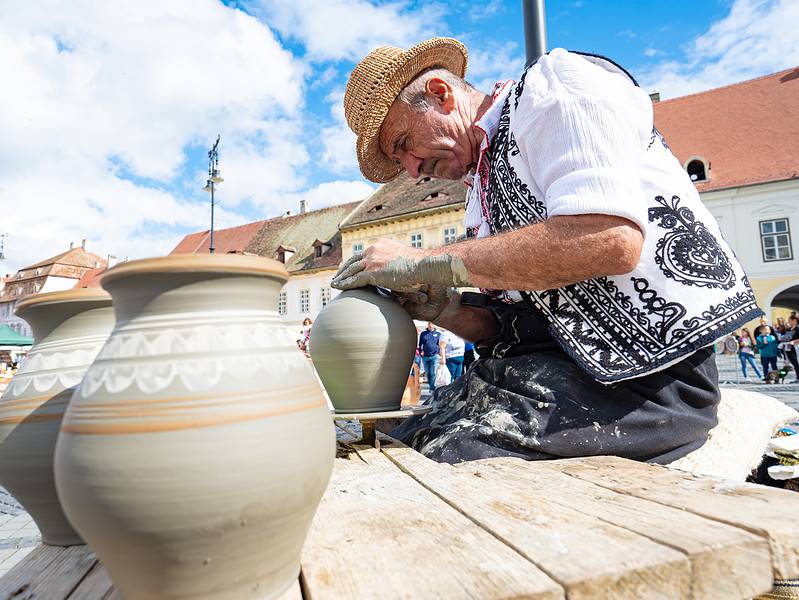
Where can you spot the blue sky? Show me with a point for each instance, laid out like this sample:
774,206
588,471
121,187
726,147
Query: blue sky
111,107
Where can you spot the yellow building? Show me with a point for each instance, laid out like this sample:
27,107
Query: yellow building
423,213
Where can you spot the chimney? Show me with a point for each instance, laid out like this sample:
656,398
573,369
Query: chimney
71,245
83,243
303,206
654,96
112,260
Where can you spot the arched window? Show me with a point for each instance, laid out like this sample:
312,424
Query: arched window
697,170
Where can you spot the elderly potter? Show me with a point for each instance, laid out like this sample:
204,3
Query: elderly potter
605,279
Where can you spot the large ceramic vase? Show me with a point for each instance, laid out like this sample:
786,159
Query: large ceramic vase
194,453
69,327
362,345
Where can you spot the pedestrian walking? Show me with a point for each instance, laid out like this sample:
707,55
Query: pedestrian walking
790,342
468,355
454,348
430,349
746,353
767,344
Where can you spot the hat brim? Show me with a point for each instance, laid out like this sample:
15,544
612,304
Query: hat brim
444,53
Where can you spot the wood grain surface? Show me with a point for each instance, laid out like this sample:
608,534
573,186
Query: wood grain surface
715,549
379,534
765,511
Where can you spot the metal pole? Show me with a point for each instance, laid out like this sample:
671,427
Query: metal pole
535,29
212,219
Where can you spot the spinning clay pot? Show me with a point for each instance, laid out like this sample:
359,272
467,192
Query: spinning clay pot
198,446
362,345
69,327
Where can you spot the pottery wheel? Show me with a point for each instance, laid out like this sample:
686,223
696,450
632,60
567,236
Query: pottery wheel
368,419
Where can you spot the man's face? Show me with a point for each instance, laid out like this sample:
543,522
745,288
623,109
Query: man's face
434,142
793,322
430,327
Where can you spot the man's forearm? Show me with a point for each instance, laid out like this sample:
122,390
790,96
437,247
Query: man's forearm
557,252
469,322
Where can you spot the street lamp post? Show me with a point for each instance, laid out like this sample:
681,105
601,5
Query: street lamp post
535,30
3,237
213,178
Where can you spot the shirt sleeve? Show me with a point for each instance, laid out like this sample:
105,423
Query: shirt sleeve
584,131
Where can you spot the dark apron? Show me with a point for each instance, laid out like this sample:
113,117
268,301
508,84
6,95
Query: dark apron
526,398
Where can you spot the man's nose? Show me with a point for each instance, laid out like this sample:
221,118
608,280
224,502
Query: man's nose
411,164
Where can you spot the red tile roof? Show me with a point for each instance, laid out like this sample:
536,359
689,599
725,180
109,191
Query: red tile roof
231,239
748,132
291,232
404,196
74,257
91,279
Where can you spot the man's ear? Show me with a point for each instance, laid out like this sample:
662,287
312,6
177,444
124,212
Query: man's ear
442,92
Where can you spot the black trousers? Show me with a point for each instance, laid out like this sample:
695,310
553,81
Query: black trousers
528,399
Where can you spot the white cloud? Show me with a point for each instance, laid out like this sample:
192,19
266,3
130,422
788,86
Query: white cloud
333,192
102,100
652,52
494,62
337,139
756,38
349,29
483,10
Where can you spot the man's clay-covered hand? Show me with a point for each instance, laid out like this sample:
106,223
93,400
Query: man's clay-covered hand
401,268
428,303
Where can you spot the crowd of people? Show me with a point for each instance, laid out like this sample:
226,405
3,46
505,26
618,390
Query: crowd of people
443,349
778,341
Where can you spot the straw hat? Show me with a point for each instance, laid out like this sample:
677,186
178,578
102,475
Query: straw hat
787,589
377,81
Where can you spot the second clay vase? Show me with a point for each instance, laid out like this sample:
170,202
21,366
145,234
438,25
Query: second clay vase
362,345
195,452
69,327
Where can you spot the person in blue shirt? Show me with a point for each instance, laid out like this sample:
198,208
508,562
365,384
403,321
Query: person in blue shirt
468,355
767,344
430,348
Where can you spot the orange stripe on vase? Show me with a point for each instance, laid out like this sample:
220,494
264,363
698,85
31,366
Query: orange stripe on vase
82,404
31,418
34,399
161,426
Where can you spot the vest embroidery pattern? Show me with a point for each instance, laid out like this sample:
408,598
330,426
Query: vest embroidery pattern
614,334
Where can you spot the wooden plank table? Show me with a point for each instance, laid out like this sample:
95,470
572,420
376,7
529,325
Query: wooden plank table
394,524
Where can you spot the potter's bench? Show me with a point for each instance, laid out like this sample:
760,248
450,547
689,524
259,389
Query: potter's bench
394,524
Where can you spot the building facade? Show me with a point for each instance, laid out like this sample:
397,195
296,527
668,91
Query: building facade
424,213
60,272
740,144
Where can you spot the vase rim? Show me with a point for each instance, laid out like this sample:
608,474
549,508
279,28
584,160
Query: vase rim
74,295
198,263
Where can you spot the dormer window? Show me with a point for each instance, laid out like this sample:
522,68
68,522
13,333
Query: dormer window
377,207
423,180
431,196
320,248
697,170
284,253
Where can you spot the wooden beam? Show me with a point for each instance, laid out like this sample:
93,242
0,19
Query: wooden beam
590,558
379,534
765,511
720,554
